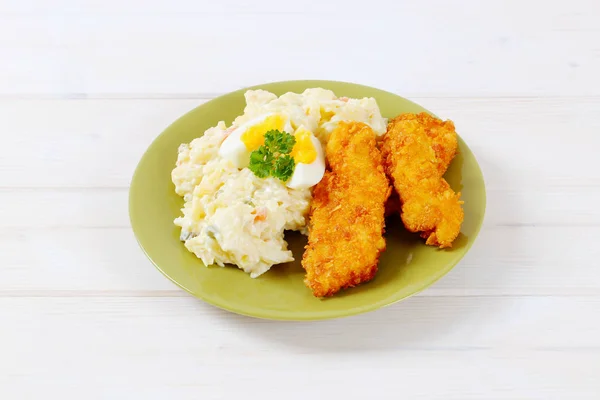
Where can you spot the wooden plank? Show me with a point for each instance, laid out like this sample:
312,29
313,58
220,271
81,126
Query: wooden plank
492,348
513,260
79,143
431,47
516,141
108,207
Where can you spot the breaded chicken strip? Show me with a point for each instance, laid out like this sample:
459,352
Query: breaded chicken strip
347,213
417,151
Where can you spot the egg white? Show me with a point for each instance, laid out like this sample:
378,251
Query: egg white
234,149
307,175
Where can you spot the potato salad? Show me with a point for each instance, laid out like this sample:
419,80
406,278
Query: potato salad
244,185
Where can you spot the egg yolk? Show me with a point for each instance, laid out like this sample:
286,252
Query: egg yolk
304,151
326,115
254,136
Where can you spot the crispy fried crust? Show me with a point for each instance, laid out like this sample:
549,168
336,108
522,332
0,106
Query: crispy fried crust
347,213
417,151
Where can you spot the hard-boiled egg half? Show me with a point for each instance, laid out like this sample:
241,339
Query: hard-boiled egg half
250,136
307,152
310,160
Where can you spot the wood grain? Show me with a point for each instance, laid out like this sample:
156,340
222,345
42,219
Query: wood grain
515,140
515,47
523,260
86,86
100,348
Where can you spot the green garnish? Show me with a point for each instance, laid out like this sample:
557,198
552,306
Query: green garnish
280,142
284,167
261,162
272,158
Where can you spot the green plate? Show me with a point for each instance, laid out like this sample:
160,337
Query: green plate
406,267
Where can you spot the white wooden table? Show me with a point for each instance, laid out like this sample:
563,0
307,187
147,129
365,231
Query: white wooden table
85,86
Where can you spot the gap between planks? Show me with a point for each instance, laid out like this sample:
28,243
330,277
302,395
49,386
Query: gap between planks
210,96
15,293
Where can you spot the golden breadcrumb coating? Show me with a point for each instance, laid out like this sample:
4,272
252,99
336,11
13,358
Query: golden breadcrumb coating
417,150
347,213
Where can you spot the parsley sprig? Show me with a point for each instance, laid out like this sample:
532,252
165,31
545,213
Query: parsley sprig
273,158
